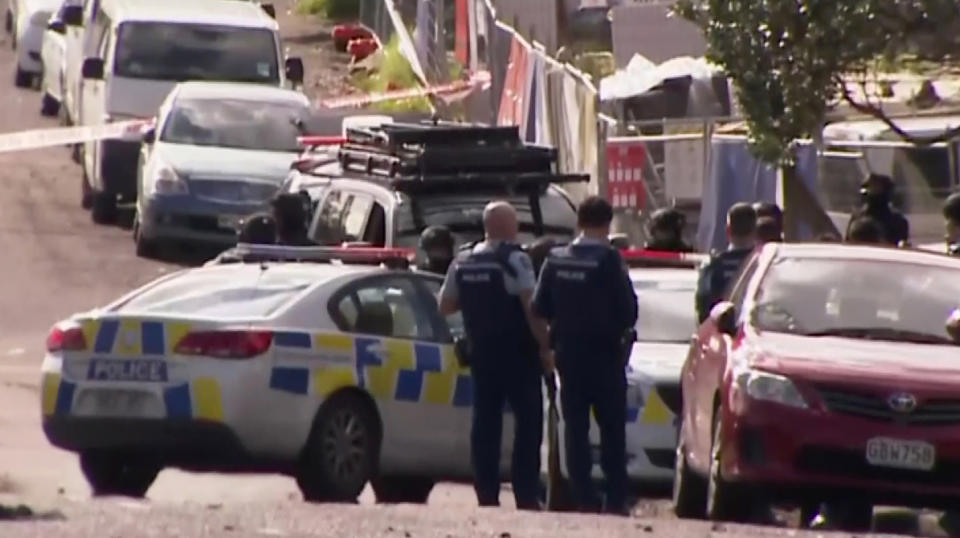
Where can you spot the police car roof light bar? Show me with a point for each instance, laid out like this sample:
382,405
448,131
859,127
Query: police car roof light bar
660,258
346,255
314,141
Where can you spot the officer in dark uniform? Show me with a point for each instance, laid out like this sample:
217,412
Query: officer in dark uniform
539,250
877,192
492,284
772,211
666,231
866,231
259,229
768,231
951,217
586,295
720,270
437,245
291,218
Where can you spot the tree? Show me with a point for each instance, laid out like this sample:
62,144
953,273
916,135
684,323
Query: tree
790,60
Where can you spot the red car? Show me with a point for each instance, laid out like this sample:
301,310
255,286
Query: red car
827,376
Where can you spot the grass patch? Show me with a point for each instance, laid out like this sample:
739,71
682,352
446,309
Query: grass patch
394,73
337,10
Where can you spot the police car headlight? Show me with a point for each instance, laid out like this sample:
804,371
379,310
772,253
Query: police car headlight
166,181
769,387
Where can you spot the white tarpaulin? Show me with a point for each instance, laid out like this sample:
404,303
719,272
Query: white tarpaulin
641,75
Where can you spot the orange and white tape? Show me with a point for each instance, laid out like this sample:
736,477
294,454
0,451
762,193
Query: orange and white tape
64,136
480,79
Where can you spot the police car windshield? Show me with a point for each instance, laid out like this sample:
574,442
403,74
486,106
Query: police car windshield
666,310
868,299
231,123
170,51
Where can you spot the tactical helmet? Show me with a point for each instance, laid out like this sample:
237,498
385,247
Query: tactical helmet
951,208
436,238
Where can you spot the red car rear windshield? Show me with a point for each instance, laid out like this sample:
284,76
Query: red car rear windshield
858,299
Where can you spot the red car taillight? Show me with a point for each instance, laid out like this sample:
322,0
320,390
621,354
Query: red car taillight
225,344
66,338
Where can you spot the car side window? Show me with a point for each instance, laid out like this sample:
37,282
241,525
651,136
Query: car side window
355,216
454,321
328,228
383,307
376,232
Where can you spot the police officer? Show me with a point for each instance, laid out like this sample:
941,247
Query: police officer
772,211
768,231
717,274
492,284
585,293
866,231
951,217
666,231
877,192
437,245
258,229
291,218
539,250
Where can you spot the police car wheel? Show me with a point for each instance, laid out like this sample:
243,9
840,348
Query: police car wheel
392,490
115,473
689,490
104,210
725,501
342,451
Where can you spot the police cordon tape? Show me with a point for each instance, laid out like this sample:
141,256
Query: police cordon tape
65,136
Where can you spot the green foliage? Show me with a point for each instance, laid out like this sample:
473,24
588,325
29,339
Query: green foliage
788,58
392,73
331,9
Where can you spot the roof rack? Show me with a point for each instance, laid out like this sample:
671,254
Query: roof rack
396,258
411,156
659,258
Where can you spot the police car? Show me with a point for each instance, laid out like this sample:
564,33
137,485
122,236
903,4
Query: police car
325,365
665,284
384,185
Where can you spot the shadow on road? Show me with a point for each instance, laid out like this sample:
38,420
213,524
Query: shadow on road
25,513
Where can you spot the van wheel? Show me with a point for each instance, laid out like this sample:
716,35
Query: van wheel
146,248
342,451
725,501
104,210
689,490
49,106
394,490
114,473
22,79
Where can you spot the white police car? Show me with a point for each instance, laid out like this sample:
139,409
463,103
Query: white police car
665,284
334,372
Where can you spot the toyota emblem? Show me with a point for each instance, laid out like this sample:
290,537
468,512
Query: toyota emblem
902,402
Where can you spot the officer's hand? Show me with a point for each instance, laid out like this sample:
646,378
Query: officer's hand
547,361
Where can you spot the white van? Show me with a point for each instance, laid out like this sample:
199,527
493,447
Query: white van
140,49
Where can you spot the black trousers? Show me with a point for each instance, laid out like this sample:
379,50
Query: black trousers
515,381
595,383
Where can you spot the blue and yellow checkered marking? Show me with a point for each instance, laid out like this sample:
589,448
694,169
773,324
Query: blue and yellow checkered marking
133,337
389,369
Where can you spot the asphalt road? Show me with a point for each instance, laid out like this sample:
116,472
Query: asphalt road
55,261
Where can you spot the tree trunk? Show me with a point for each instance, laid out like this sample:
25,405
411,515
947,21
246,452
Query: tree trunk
801,207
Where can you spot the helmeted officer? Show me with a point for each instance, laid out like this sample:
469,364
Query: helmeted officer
768,231
437,245
772,211
585,293
720,270
666,231
291,218
951,217
866,231
256,229
877,192
492,284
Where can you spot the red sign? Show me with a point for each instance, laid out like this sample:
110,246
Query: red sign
626,162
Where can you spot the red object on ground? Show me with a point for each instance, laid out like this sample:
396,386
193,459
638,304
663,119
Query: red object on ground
344,33
362,47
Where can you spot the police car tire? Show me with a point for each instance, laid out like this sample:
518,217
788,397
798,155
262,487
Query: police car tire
113,473
343,418
689,490
22,79
104,209
725,501
49,106
395,489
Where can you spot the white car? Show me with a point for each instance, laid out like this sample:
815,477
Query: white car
219,152
30,20
336,373
53,54
665,285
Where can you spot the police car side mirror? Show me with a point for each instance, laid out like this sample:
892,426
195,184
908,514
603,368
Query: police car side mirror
72,15
724,317
150,136
294,70
57,27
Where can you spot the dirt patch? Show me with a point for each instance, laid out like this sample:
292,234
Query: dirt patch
7,485
309,37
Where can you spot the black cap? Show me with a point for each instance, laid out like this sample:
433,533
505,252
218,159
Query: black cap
258,229
880,180
951,207
667,219
436,237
